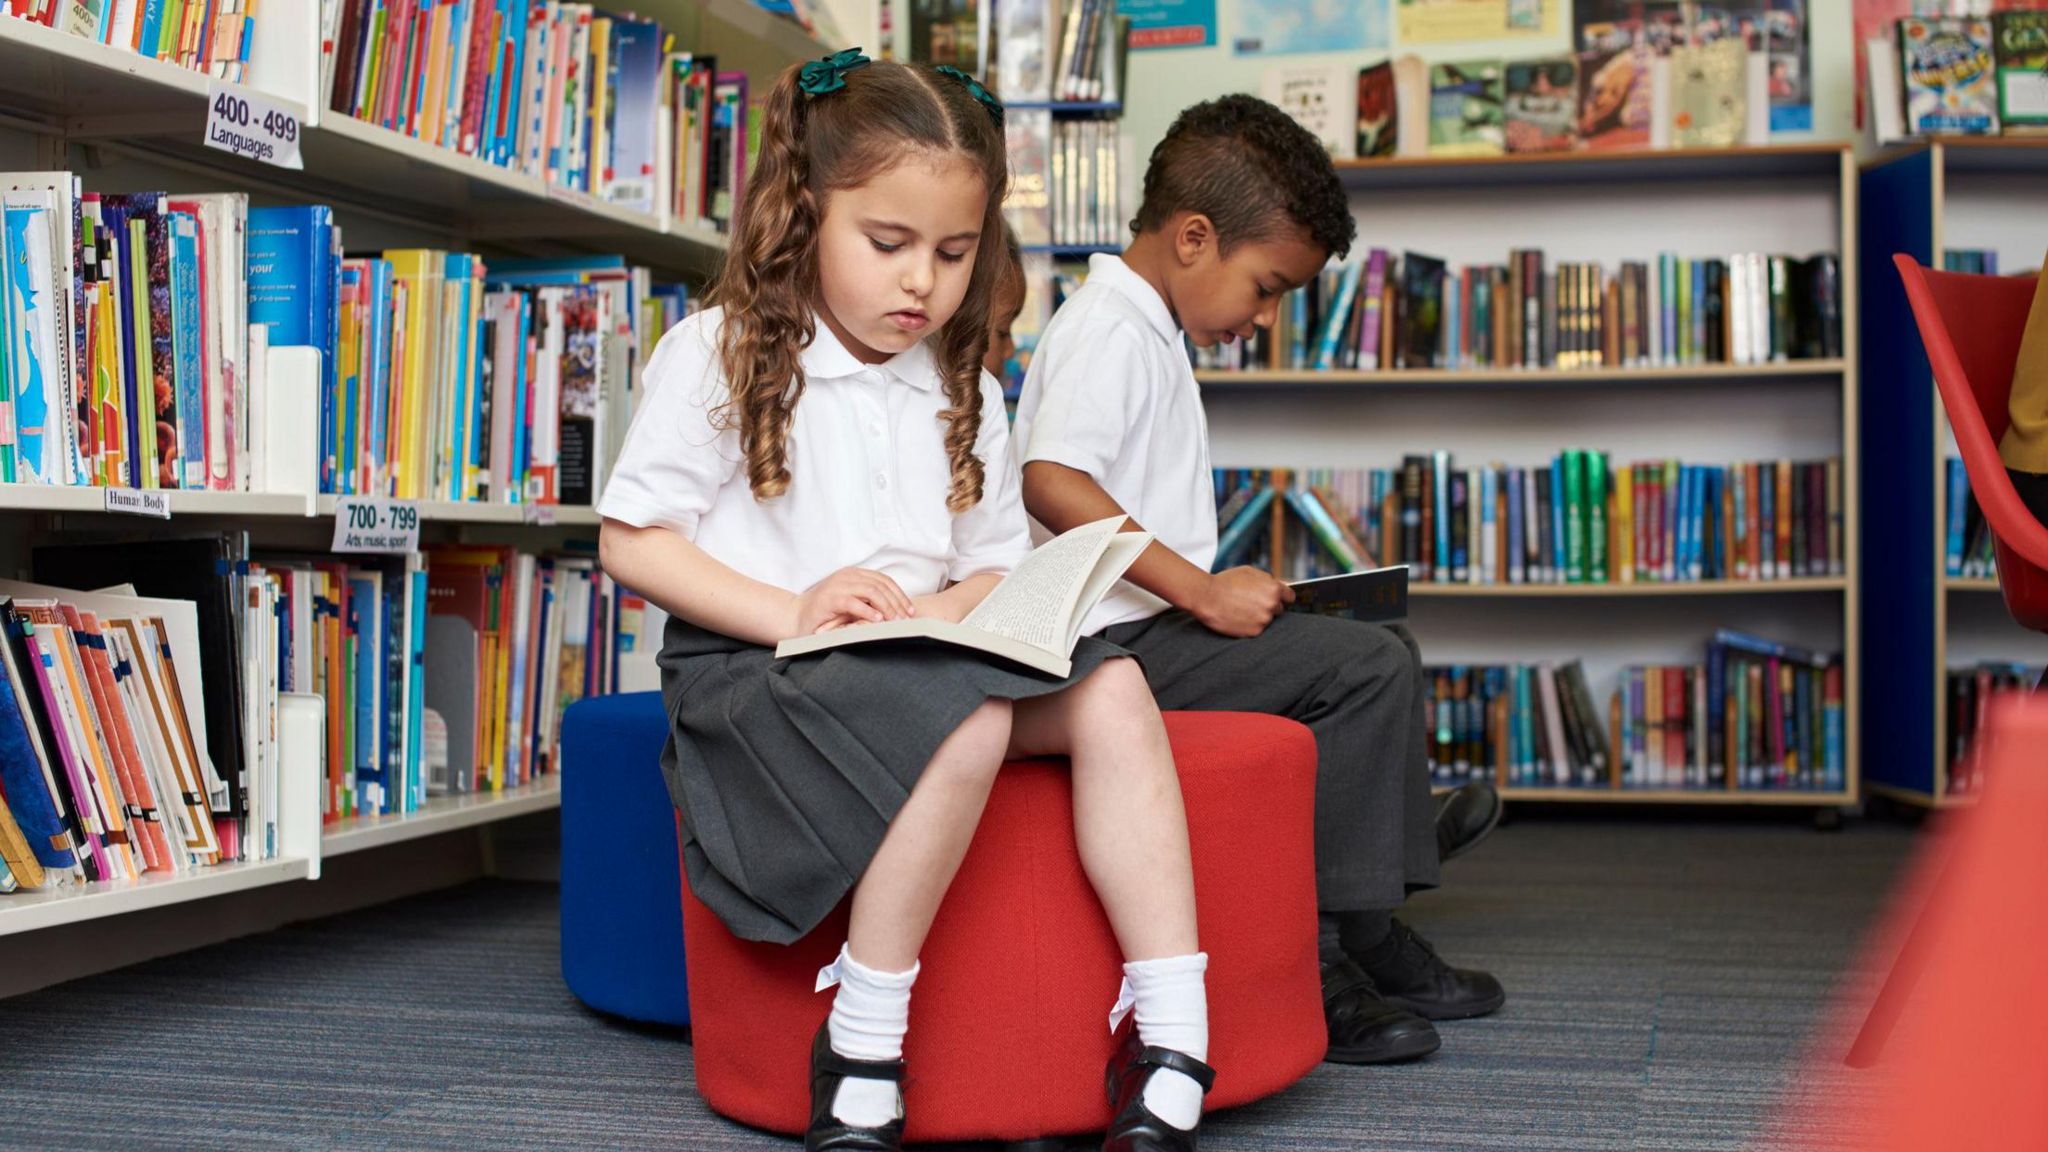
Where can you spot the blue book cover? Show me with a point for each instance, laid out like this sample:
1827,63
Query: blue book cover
25,781
460,268
1440,514
366,621
1688,521
152,28
1517,565
392,652
521,385
1489,501
1558,570
523,273
1832,724
287,249
1717,711
1756,645
1241,531
1767,521
189,381
1699,310
416,680
636,95
1335,321
1958,514
377,426
1297,352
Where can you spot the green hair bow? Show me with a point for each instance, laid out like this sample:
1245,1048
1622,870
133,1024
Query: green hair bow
828,74
974,88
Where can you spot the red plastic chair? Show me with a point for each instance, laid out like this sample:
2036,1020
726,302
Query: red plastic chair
1971,326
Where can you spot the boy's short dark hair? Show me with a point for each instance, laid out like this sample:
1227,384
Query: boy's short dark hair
1250,169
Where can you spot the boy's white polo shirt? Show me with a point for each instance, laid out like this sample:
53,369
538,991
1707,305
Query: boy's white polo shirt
1110,392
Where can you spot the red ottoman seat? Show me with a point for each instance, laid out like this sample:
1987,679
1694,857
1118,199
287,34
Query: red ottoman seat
1021,961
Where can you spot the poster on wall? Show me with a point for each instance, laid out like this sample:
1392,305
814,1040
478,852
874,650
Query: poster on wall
1460,21
1774,32
1286,27
1170,23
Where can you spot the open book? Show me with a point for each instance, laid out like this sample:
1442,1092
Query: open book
1374,595
1033,617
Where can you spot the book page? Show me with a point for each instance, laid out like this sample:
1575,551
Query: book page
1035,603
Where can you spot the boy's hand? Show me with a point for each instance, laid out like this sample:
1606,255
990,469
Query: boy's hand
1242,601
848,596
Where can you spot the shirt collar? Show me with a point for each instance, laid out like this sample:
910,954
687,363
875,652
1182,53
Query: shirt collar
1109,269
828,359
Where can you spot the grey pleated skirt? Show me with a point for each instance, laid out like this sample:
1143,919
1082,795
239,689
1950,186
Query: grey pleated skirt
787,772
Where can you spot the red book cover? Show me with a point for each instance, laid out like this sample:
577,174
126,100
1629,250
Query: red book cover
1677,721
145,817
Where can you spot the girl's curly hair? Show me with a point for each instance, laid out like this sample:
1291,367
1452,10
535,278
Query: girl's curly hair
768,286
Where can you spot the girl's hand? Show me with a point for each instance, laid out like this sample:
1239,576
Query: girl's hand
856,594
941,607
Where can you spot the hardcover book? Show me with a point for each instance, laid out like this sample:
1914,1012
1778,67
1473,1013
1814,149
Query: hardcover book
2021,55
1379,126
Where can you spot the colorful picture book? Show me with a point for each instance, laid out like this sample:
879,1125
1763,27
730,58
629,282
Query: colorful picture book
210,36
1951,85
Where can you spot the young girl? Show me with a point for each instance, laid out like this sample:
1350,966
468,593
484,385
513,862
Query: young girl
821,448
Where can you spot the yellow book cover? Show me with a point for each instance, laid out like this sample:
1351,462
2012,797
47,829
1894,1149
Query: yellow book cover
419,269
600,105
348,371
1622,553
14,849
143,474
434,85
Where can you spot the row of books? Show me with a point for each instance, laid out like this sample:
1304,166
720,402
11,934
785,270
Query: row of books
1578,520
1969,692
142,328
101,777
1065,180
1967,540
1411,311
1058,50
1964,75
1981,261
590,102
144,734
442,672
1756,715
210,36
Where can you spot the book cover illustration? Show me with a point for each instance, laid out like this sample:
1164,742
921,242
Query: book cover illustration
1378,125
1315,98
581,350
2022,60
1541,105
1465,109
1947,68
1787,39
31,354
1614,98
1708,99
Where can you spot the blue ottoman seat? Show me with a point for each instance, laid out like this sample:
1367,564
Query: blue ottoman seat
622,909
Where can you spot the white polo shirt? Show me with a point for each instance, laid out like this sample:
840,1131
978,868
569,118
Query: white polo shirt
867,466
1110,392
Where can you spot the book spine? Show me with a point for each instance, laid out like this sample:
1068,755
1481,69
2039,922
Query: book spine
1572,463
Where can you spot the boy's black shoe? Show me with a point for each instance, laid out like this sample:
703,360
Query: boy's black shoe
1135,1128
1411,975
1464,817
1364,1027
828,1068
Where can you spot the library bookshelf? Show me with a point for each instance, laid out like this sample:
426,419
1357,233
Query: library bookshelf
1925,200
124,122
1798,199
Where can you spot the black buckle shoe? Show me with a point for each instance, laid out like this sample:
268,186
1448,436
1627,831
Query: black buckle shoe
1135,1128
1464,817
828,1068
1364,1028
1411,975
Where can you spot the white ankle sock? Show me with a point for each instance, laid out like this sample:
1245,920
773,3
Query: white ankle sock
1171,1003
870,1014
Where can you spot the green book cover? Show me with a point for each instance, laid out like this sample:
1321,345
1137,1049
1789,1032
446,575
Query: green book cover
1684,311
2020,40
1574,516
1669,569
1596,517
1466,116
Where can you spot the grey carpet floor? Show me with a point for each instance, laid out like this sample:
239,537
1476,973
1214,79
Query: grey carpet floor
1663,979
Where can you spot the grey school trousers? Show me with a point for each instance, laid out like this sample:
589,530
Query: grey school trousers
1358,687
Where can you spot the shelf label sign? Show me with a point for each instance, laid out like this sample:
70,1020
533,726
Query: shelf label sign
250,123
533,512
375,524
136,502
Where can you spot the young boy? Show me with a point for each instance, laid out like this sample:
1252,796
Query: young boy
1241,205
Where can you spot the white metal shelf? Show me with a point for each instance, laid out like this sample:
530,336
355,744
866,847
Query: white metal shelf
67,498
441,814
50,907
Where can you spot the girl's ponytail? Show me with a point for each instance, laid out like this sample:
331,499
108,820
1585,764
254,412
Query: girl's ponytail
766,285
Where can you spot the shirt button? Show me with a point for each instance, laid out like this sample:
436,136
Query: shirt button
881,481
